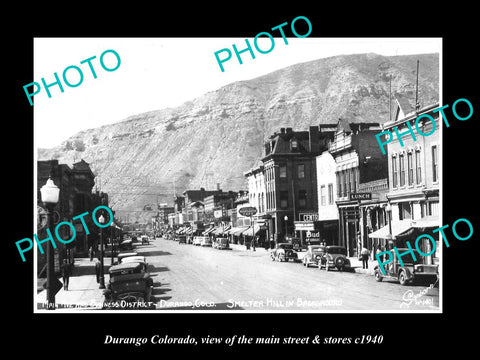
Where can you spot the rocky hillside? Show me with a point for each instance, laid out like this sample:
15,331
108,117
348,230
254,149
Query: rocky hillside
216,137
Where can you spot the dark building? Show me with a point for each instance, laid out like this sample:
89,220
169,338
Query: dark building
358,159
290,176
75,198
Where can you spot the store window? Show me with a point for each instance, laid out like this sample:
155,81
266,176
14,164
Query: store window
284,199
330,194
302,199
418,163
435,163
301,171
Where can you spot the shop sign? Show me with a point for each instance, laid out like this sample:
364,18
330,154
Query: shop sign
313,234
304,226
308,216
360,196
247,211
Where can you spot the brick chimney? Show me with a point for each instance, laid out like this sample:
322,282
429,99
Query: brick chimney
314,139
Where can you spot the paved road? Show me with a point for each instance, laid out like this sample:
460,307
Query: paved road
188,277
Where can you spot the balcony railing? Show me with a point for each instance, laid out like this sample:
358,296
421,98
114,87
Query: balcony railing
372,186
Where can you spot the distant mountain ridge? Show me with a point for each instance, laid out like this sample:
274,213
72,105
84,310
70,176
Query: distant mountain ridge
216,137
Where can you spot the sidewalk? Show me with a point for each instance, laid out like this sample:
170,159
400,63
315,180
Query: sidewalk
358,266
83,291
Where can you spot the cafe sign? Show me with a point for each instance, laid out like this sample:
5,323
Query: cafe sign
247,211
360,196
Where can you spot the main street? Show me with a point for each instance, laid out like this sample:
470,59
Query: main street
188,277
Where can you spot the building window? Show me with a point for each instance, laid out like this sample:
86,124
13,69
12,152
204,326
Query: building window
394,171
410,168
301,171
323,195
402,169
344,181
330,194
302,199
435,163
283,199
339,184
418,163
283,171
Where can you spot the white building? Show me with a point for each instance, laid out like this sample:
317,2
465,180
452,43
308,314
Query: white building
327,195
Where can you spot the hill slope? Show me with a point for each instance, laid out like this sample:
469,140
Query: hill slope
216,137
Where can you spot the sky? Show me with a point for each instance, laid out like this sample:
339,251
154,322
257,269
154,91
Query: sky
156,73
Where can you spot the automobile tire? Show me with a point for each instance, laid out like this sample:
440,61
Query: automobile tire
378,277
402,278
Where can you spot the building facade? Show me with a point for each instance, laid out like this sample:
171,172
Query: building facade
358,159
414,171
290,176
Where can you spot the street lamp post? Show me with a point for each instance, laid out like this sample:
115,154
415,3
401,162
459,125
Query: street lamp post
112,231
101,220
49,193
286,219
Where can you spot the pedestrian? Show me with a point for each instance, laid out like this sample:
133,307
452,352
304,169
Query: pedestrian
365,255
257,238
378,252
90,252
97,269
66,271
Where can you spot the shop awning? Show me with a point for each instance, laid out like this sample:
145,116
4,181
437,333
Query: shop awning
220,230
189,231
398,228
426,222
238,230
208,231
252,232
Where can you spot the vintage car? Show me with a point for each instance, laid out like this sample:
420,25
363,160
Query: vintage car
130,282
126,245
182,239
134,258
145,239
124,254
335,257
205,241
221,243
283,252
197,240
313,255
410,271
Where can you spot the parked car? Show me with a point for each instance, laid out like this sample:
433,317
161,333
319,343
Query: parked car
335,257
283,252
221,243
313,255
205,241
145,239
129,282
197,240
126,245
182,239
410,271
123,254
134,258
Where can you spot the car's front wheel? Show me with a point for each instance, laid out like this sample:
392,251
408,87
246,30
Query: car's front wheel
378,276
402,278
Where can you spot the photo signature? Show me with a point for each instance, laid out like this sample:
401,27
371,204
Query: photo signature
409,297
